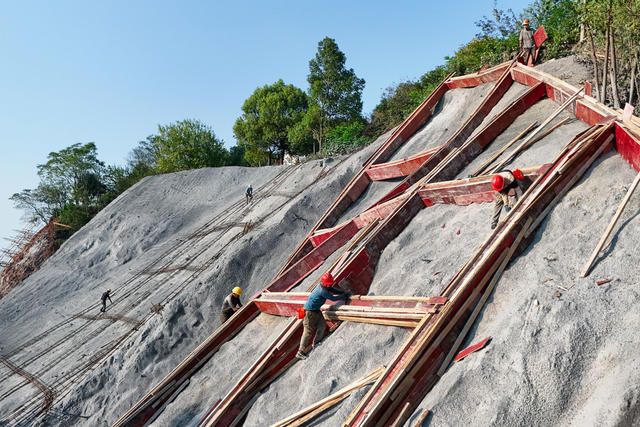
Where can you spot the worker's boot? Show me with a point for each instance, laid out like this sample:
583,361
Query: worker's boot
301,355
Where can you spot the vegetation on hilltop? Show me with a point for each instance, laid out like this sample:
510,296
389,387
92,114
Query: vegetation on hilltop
327,118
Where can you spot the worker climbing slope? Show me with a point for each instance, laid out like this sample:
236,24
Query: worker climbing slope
231,304
249,194
106,294
313,320
509,187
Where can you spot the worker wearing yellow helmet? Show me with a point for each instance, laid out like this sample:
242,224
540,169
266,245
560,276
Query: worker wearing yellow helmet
231,304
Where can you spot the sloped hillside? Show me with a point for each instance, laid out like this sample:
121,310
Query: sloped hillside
181,240
562,348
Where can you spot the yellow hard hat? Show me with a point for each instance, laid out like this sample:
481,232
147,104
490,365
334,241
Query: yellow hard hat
108,290
237,290
525,22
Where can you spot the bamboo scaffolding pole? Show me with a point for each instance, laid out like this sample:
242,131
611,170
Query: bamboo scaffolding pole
531,136
318,407
609,229
503,149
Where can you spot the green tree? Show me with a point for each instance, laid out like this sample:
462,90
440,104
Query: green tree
268,116
335,89
561,20
187,144
72,176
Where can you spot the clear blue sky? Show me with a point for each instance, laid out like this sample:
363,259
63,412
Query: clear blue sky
111,71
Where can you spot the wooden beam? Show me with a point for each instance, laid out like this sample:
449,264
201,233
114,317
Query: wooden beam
612,224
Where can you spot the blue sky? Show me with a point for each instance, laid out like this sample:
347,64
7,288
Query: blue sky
110,72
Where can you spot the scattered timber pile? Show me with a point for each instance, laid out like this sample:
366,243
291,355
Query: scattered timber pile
25,255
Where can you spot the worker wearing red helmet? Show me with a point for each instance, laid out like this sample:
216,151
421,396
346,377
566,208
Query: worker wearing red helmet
508,186
313,320
526,42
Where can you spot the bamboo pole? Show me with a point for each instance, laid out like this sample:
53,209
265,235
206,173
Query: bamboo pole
503,149
612,224
548,120
318,407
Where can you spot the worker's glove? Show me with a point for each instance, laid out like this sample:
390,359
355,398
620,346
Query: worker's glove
347,298
507,208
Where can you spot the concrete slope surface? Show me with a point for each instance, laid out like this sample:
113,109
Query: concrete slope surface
562,349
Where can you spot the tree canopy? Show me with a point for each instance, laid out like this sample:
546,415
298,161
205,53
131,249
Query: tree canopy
269,115
187,144
335,89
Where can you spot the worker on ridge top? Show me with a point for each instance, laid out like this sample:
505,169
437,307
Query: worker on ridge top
231,304
105,295
313,318
249,194
526,43
509,187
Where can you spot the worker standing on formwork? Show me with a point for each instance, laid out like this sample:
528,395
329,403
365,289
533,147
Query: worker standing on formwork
231,304
249,194
509,187
313,320
527,44
105,295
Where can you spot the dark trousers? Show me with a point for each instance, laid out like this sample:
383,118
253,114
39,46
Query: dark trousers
104,306
529,52
313,322
499,204
225,316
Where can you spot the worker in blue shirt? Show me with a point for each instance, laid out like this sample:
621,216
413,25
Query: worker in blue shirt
313,320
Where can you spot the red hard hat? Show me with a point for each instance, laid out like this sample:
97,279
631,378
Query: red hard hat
497,182
518,174
327,279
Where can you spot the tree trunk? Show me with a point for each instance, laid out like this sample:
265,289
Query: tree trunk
603,94
634,65
613,73
594,59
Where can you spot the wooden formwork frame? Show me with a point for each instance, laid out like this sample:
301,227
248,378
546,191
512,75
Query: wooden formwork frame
359,270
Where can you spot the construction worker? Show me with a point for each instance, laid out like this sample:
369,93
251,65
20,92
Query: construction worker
231,304
526,43
313,320
249,194
508,186
105,295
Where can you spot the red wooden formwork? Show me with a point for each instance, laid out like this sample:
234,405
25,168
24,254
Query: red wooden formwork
414,369
586,108
481,77
470,190
287,304
481,139
360,182
147,407
399,168
627,145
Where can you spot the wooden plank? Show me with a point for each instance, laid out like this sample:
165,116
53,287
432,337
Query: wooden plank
334,398
612,224
498,153
471,349
531,136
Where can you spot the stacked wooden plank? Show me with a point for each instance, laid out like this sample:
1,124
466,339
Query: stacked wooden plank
380,310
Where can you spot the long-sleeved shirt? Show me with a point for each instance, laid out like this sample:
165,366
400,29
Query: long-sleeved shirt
526,38
319,295
230,302
104,297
